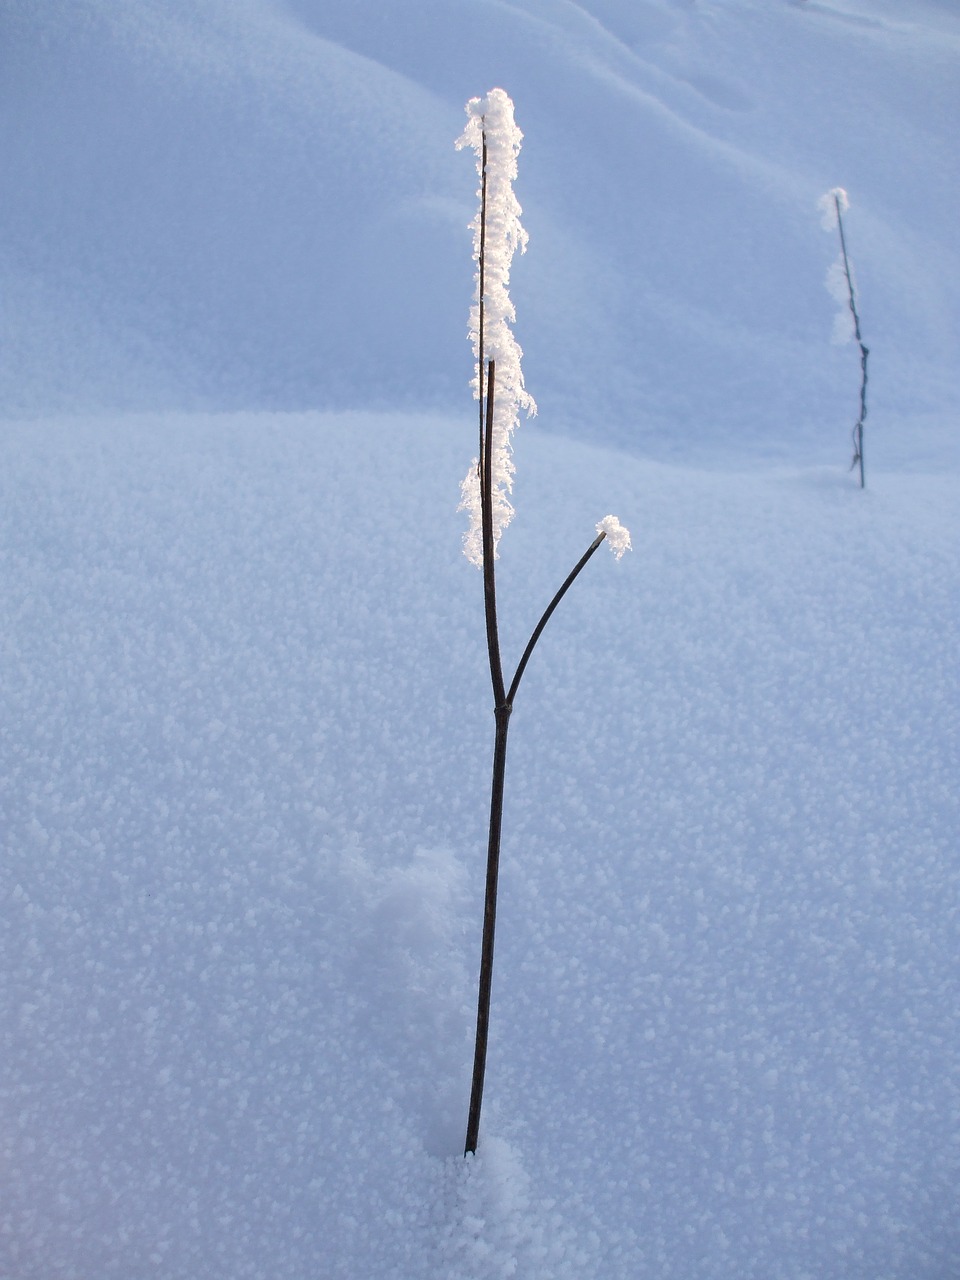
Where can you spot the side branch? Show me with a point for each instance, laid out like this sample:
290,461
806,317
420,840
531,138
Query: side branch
502,712
538,629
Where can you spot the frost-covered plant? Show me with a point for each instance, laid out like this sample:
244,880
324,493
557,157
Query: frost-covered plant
497,234
498,386
846,324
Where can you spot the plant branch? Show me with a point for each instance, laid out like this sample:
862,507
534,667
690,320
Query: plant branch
489,552
485,987
502,711
538,629
864,351
481,288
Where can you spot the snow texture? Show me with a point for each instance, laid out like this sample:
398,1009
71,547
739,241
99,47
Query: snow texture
243,866
244,699
497,235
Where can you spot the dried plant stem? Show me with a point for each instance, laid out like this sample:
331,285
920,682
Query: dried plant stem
538,629
489,551
864,351
501,712
489,929
503,707
502,697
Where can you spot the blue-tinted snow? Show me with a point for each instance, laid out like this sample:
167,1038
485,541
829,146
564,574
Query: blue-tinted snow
245,756
245,724
259,206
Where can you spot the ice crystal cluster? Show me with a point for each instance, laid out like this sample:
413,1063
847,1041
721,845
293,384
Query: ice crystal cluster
497,234
617,535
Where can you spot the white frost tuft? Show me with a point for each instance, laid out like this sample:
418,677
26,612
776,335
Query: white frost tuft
491,119
839,290
618,537
827,204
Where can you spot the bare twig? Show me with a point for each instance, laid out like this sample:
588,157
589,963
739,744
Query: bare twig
864,351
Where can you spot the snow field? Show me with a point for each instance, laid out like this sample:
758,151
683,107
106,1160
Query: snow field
245,725
245,765
261,208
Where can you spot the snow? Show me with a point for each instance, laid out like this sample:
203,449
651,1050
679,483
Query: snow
245,729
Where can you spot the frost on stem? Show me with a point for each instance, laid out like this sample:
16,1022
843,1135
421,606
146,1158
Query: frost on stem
832,206
828,204
846,324
617,535
497,234
836,286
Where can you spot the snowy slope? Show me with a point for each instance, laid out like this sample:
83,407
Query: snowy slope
244,716
259,205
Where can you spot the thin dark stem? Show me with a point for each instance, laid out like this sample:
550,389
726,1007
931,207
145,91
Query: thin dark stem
864,351
502,714
485,458
846,268
502,711
481,288
489,550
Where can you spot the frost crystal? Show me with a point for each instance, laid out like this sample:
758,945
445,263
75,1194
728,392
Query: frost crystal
618,537
496,236
839,290
827,204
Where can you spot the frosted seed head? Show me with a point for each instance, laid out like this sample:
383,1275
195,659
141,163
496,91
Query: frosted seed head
498,234
617,536
828,205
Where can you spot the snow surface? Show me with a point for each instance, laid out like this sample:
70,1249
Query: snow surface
254,204
246,733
